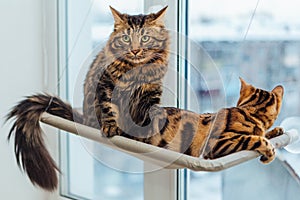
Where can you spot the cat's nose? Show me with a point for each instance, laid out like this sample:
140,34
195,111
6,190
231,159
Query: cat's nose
135,51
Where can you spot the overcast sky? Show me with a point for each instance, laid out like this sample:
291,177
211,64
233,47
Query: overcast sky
230,18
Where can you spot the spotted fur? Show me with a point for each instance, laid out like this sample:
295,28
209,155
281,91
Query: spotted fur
122,93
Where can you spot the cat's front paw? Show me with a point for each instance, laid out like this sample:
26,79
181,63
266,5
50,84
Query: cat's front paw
267,152
277,131
269,157
109,130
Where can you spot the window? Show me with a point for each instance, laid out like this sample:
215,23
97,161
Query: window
90,170
259,41
217,43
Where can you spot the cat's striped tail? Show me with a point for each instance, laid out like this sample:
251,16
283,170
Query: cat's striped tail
30,150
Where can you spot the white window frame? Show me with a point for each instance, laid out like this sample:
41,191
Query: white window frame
163,184
51,67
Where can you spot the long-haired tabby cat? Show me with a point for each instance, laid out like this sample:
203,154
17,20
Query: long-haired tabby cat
122,94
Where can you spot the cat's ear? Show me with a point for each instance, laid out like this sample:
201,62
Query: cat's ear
245,91
278,90
244,85
160,16
118,17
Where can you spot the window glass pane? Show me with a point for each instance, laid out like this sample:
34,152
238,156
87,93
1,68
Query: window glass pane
90,170
260,42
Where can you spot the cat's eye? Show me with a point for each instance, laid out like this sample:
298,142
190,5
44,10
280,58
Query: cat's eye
125,38
145,38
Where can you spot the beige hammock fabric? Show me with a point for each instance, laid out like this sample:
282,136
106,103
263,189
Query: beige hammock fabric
159,156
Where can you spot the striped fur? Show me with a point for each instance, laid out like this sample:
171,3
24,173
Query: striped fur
247,124
148,46
30,150
122,93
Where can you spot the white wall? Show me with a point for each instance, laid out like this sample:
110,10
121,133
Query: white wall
21,73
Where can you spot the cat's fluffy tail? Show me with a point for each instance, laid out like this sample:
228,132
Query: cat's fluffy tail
30,150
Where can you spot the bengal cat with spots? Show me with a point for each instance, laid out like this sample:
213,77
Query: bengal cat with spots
122,93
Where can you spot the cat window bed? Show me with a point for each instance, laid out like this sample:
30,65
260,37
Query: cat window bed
159,156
